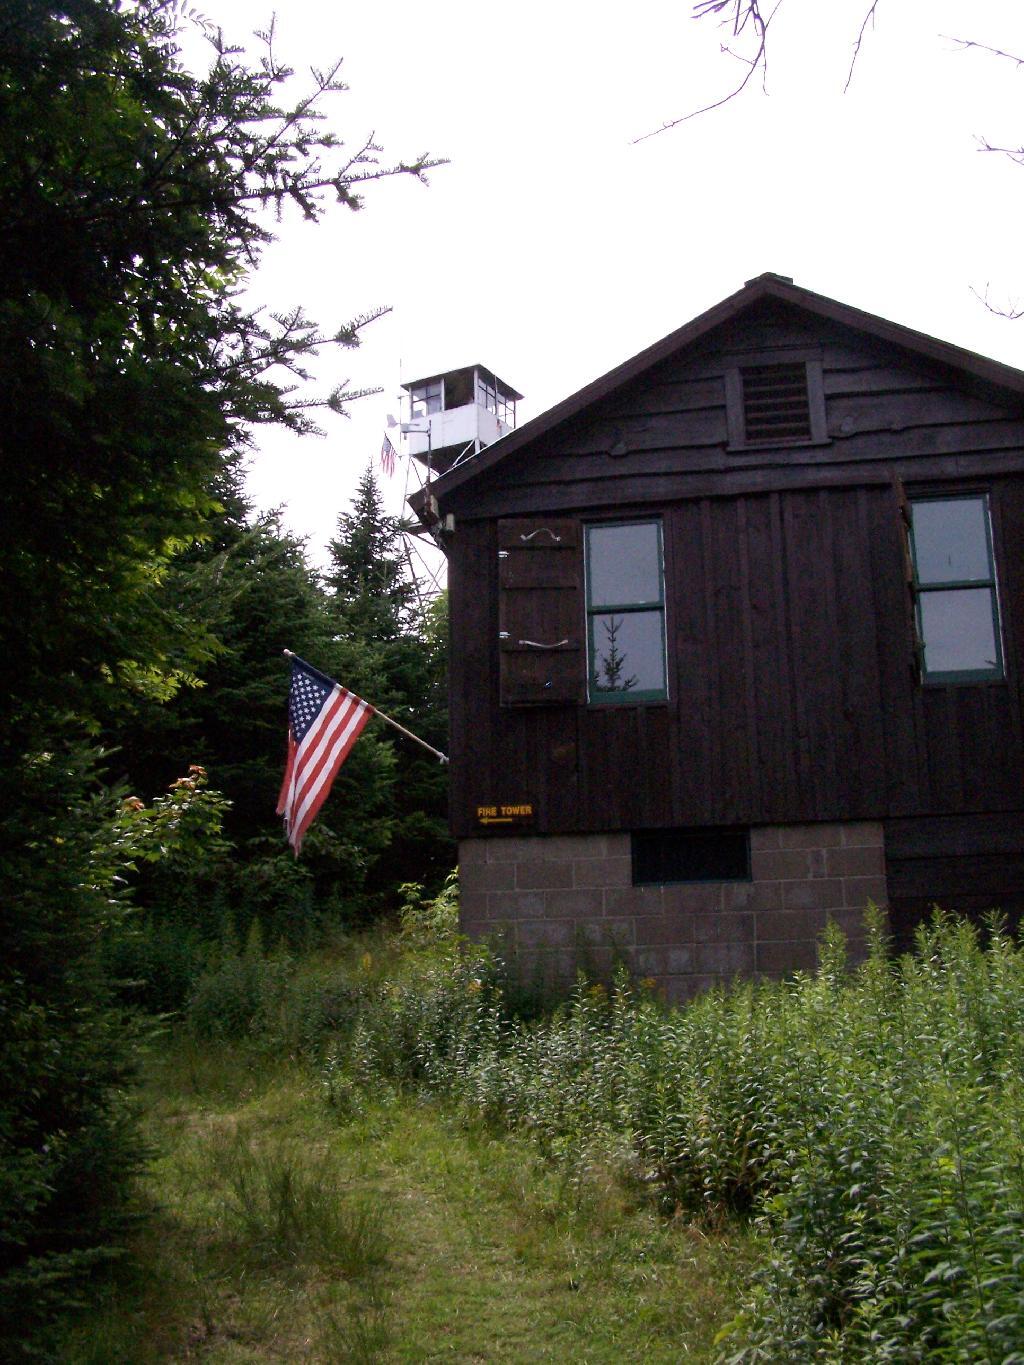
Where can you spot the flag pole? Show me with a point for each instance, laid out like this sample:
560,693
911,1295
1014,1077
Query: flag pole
443,758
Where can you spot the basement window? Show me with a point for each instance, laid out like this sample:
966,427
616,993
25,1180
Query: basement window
662,857
956,597
775,402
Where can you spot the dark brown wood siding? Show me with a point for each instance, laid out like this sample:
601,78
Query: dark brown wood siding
792,689
968,864
793,694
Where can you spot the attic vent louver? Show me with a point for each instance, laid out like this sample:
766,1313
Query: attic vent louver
775,403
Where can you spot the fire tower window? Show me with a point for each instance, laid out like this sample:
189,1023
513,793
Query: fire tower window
625,612
491,397
955,592
427,398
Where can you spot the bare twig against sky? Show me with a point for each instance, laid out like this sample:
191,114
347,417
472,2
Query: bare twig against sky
747,14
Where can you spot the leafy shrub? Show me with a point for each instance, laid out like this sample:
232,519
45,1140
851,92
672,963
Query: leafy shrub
156,963
270,1000
408,1030
426,919
192,896
899,1201
172,856
272,888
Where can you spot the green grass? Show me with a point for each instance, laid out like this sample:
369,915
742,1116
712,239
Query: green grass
438,1178
399,1234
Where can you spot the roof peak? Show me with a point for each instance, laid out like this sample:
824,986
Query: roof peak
768,276
767,286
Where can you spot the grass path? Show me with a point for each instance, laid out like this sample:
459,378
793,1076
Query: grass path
396,1235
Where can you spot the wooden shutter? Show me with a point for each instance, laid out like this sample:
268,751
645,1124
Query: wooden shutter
903,508
540,612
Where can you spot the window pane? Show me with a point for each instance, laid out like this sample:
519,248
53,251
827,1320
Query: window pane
627,653
624,564
950,540
958,631
426,399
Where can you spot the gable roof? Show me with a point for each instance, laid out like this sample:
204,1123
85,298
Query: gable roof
765,287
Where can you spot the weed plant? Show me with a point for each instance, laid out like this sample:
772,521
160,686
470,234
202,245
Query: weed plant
276,1002
286,1207
872,1122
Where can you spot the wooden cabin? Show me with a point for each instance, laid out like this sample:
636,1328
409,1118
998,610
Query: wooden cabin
737,640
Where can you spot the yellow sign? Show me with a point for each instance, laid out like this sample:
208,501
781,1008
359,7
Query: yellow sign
513,814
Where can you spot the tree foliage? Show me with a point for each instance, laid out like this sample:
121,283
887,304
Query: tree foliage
130,193
131,371
393,654
748,25
373,594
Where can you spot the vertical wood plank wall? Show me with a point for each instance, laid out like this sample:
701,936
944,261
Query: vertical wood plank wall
792,696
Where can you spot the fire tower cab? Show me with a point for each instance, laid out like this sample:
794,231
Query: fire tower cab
455,414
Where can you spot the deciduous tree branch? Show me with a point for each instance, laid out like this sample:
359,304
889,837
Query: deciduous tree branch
748,15
869,18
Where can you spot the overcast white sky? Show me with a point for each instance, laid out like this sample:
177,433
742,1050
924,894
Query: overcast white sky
551,249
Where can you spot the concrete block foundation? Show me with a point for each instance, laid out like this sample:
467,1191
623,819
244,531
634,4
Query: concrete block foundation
558,903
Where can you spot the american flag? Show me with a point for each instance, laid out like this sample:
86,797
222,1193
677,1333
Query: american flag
388,455
324,721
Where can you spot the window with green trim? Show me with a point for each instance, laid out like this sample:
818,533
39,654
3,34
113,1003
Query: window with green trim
955,593
625,612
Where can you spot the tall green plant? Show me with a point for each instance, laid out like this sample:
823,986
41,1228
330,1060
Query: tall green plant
872,1121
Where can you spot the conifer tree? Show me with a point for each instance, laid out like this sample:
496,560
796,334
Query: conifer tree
389,652
130,369
373,595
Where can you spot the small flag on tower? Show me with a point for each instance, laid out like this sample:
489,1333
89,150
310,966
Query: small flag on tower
324,721
388,455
